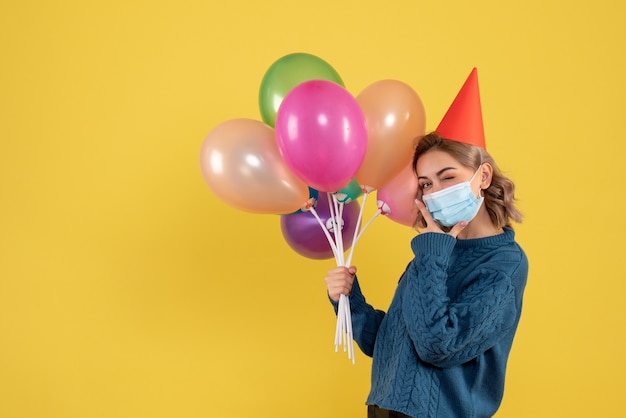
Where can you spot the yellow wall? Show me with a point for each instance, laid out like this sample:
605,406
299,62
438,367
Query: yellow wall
128,290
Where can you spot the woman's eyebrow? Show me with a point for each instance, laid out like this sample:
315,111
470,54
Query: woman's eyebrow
439,173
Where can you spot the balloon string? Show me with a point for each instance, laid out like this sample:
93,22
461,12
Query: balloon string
339,227
341,321
356,229
343,330
378,212
336,227
328,237
348,333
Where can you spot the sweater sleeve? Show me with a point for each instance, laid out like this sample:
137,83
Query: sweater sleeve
449,332
365,319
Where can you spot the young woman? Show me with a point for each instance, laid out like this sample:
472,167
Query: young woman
441,348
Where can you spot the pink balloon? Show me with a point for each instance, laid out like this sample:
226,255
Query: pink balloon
321,134
396,199
241,164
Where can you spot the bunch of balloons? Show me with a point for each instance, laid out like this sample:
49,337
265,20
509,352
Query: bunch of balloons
317,150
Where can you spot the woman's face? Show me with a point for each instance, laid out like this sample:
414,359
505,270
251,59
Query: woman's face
438,170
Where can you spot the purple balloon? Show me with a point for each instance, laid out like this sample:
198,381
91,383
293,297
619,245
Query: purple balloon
305,236
321,134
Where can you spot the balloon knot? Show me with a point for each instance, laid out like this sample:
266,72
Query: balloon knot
383,207
309,204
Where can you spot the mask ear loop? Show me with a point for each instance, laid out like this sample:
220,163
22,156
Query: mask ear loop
480,190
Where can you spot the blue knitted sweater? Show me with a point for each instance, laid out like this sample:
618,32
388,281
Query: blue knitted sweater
442,347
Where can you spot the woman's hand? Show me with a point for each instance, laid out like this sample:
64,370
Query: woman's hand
339,281
432,226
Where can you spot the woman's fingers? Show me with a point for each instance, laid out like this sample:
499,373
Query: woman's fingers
456,229
431,225
339,281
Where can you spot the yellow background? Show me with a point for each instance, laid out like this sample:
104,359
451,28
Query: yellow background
128,290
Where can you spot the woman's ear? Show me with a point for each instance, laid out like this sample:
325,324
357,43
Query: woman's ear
486,174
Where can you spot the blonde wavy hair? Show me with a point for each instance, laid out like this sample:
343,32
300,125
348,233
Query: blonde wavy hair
499,196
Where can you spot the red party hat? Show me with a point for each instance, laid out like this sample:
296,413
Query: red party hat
463,122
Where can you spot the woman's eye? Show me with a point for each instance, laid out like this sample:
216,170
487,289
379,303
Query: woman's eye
425,185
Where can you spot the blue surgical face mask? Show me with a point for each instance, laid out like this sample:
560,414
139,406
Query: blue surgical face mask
453,204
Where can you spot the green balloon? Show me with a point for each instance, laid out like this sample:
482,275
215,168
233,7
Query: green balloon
286,73
349,193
